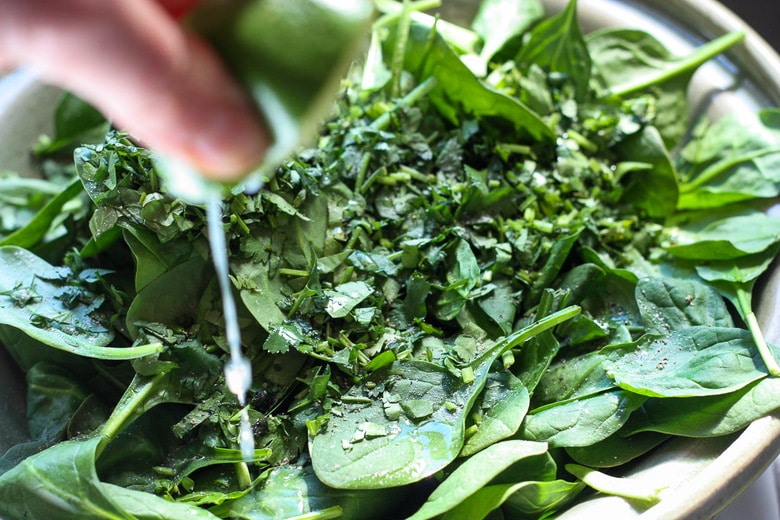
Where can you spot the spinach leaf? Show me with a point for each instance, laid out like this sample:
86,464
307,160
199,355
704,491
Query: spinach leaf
619,448
583,421
476,472
22,198
457,91
730,160
654,189
537,499
707,416
152,257
143,506
501,407
734,279
59,482
75,122
171,297
385,448
53,397
694,361
725,239
577,377
291,491
628,61
416,428
558,46
48,308
499,22
34,231
668,304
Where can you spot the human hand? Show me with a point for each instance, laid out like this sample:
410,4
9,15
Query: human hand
134,62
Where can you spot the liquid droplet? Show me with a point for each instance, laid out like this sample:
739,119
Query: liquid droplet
246,440
238,370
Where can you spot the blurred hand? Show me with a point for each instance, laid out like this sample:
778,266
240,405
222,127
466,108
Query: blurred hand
134,62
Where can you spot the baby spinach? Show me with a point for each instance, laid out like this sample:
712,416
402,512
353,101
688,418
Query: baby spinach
558,47
289,492
706,416
53,308
499,410
478,471
458,92
726,239
627,61
500,258
420,419
498,22
583,421
694,361
730,160
61,483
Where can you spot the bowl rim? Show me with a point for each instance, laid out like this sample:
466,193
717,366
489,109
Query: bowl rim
706,493
754,449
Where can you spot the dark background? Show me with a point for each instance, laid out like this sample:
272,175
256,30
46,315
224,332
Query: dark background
762,15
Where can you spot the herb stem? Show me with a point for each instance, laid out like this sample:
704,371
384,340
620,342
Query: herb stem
285,271
132,403
623,487
414,95
323,514
299,299
243,475
393,10
548,322
743,298
718,168
702,54
361,174
402,28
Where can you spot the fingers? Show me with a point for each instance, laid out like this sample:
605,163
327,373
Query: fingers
134,62
177,8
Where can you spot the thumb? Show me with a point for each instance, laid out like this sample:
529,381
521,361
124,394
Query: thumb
136,64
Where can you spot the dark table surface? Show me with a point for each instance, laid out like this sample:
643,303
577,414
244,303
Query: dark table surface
761,15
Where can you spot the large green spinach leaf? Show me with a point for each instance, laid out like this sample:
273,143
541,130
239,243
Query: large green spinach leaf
418,425
558,46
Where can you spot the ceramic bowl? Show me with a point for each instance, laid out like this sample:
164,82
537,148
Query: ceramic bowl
703,475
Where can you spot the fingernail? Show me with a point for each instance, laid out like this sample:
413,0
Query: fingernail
229,145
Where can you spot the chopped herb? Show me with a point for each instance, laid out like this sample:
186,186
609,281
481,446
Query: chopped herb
489,264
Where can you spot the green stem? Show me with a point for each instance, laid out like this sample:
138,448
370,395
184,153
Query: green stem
417,93
285,271
134,399
243,475
621,487
718,168
324,514
394,10
745,307
463,40
399,52
688,63
361,174
548,322
117,353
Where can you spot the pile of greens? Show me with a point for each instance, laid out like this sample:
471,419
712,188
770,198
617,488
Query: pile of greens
488,286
